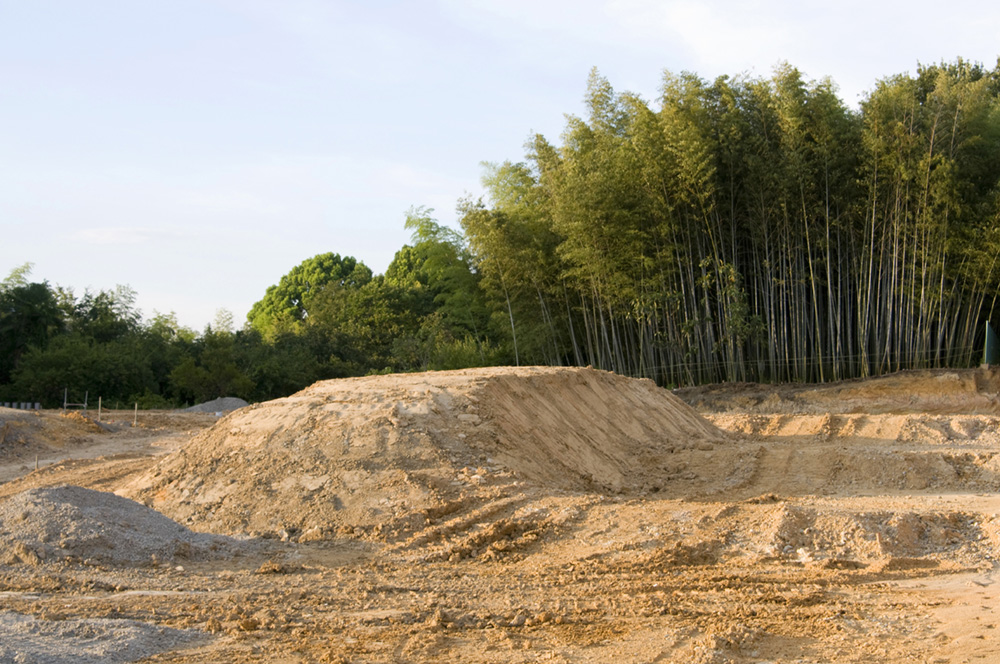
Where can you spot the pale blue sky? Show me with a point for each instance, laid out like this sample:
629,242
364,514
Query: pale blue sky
197,150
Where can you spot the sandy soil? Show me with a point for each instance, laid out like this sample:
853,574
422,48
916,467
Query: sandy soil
513,515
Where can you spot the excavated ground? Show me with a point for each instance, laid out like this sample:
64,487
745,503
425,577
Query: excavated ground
513,515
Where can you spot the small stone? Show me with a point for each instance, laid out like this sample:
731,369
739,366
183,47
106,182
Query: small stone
248,624
314,534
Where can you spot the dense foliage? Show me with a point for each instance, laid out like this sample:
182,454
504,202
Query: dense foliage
741,229
753,229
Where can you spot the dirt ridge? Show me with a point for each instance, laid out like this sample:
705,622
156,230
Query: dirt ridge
380,454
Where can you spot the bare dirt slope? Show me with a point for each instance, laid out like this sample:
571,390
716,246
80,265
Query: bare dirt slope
381,455
920,392
524,515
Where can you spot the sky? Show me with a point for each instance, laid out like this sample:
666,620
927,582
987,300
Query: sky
197,150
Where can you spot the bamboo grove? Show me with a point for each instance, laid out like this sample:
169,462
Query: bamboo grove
752,229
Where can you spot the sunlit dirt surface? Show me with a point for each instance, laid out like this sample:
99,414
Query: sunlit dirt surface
522,515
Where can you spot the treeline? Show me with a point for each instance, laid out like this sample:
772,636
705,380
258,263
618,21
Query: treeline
740,229
329,317
753,229
54,343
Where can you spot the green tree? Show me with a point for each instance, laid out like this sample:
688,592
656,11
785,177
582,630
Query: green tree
279,367
285,306
106,315
117,370
29,317
212,371
362,327
515,248
439,267
166,343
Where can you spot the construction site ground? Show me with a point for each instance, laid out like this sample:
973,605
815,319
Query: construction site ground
512,515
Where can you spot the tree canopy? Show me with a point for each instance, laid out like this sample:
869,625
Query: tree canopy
752,229
286,304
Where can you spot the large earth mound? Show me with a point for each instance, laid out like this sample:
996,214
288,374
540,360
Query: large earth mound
383,455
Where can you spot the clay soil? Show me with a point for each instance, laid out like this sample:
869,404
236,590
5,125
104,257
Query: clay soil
513,515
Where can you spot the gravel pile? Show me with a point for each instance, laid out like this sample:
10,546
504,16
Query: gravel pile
75,524
27,639
220,405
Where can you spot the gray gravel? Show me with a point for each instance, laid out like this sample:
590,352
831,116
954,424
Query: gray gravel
220,405
24,639
83,525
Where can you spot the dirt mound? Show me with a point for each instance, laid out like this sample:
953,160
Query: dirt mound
45,441
27,434
387,454
847,535
904,428
920,391
73,523
220,405
23,431
16,429
830,454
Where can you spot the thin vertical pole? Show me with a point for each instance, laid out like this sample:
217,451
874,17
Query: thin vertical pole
99,408
135,418
991,350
